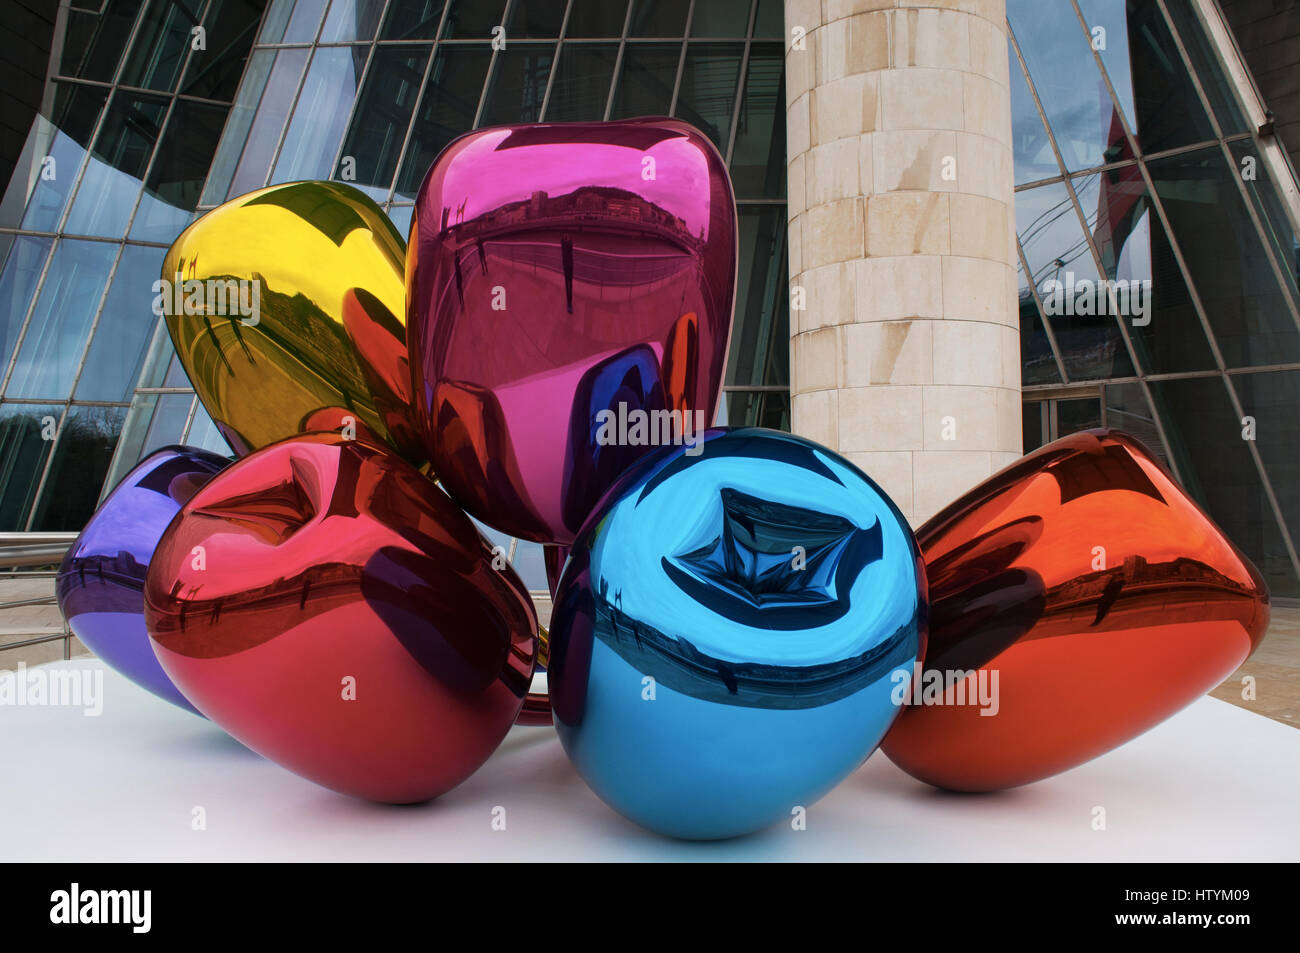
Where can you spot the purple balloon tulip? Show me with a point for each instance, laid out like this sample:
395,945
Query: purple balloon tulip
100,585
570,293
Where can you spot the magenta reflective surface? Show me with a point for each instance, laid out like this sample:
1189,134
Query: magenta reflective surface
553,272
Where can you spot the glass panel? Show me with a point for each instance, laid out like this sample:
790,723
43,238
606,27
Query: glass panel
447,110
277,18
56,337
1108,28
1208,69
350,20
1065,275
1037,363
205,435
400,215
473,19
214,73
729,18
1059,58
1225,258
26,436
1150,294
321,114
172,191
536,18
758,159
1272,400
1127,409
760,340
756,409
111,183
770,21
125,328
161,45
81,458
52,158
518,84
530,565
1031,148
305,21
168,423
412,20
659,17
1216,467
382,116
272,111
1032,423
597,18
645,87
22,268
236,134
582,79
94,42
1255,175
708,93
1074,415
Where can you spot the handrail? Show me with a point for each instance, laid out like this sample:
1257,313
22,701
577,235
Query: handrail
33,549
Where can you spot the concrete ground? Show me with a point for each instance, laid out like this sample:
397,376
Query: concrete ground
1275,668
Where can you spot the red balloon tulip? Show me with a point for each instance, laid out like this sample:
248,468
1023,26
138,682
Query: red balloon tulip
333,610
1078,598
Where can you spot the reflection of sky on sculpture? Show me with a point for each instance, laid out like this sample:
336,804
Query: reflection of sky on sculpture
681,175
132,528
881,600
743,767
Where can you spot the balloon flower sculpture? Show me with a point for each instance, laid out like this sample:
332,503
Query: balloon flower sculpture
741,617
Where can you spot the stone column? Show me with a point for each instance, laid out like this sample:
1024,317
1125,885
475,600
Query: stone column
905,355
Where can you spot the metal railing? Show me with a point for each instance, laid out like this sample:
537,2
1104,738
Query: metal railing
31,551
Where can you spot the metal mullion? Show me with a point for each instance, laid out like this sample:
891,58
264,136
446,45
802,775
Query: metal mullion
1110,87
555,61
49,462
1042,314
419,101
189,421
1038,103
293,106
681,61
361,84
742,85
490,76
94,322
618,62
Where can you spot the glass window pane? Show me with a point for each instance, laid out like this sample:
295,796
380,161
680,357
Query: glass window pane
659,17
161,45
645,87
51,159
1031,425
597,18
1264,195
111,183
172,191
351,20
1059,57
272,111
769,409
770,22
518,84
321,114
447,110
473,19
760,340
94,42
1062,269
1030,146
237,126
530,564
125,328
305,21
412,20
1073,416
1108,27
1216,468
1225,258
1037,362
1272,400
214,73
56,336
205,435
400,216
168,422
383,113
22,269
1209,70
536,18
81,458
25,431
708,93
581,86
1127,409
1136,254
729,18
758,160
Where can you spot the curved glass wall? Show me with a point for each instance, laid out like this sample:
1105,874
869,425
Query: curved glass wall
1158,264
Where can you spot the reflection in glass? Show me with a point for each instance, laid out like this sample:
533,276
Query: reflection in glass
1030,146
1062,269
1037,363
1272,398
51,159
581,86
659,17
81,458
168,422
1127,409
22,268
1169,113
1107,22
758,159
729,18
760,353
446,111
473,19
1209,70
528,563
1226,259
400,216
205,435
94,42
161,45
111,183
645,87
597,18
1033,424
321,114
259,145
383,112
769,409
56,335
237,126
708,93
1074,415
24,448
412,20
1263,192
518,84
125,326
351,20
172,191
215,73
535,18
770,22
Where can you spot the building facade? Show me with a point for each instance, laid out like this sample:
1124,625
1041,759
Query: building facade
966,226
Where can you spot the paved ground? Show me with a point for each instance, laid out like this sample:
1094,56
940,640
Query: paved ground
1275,668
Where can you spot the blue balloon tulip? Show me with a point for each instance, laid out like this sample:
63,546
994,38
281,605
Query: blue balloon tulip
100,586
729,632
